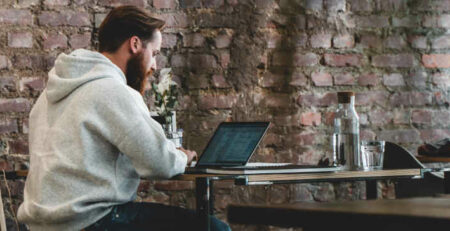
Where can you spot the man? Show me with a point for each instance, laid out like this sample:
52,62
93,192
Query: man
92,138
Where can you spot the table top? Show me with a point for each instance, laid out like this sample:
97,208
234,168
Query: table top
414,207
350,175
432,159
373,215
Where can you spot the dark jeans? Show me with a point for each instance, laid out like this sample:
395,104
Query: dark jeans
152,216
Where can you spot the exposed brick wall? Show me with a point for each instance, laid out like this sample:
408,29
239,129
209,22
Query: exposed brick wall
276,60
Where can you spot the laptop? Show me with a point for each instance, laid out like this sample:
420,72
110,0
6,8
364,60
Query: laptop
233,144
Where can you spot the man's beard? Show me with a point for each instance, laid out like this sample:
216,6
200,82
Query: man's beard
137,74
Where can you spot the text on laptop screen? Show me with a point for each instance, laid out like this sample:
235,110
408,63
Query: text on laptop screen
233,143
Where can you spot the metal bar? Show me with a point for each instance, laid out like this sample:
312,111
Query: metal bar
202,193
447,182
211,197
371,189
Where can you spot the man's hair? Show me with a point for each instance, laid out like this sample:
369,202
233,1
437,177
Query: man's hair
123,23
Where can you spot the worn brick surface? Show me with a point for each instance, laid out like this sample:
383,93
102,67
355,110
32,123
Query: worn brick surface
269,60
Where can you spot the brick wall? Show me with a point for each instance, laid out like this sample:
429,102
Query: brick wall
276,60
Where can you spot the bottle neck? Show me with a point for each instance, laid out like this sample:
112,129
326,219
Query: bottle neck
349,106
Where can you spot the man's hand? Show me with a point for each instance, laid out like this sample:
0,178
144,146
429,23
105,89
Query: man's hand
191,155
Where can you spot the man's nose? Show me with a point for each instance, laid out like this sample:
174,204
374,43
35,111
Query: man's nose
153,65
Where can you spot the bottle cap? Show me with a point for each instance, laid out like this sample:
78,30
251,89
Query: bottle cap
344,97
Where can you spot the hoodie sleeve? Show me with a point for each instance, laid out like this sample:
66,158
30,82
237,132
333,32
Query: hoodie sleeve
126,122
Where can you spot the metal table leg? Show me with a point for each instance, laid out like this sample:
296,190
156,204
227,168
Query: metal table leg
447,182
203,189
371,189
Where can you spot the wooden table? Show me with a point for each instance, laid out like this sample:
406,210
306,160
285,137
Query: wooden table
205,194
432,159
402,214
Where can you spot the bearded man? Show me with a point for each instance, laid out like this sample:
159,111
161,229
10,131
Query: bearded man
92,138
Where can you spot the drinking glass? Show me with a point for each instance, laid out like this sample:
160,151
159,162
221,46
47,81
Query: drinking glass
372,154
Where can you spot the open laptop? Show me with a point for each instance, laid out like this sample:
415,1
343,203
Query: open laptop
231,147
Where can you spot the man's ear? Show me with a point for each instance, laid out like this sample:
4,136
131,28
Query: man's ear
135,44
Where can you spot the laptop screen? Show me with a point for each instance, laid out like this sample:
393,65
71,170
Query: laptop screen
233,143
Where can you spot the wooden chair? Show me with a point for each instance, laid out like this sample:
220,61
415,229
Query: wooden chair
396,157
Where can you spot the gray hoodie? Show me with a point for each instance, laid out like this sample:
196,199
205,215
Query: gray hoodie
91,139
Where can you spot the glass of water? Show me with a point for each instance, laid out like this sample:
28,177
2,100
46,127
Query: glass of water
372,154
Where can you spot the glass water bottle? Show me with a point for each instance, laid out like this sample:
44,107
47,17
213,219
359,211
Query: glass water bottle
345,140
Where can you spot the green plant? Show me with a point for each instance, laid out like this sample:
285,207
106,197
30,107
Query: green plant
165,95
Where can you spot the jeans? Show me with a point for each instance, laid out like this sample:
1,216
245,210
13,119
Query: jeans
151,216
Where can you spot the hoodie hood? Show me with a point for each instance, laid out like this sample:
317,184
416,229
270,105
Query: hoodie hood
79,67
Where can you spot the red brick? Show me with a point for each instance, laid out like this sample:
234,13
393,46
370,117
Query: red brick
329,118
20,40
371,98
70,18
441,42
216,102
320,40
442,21
315,5
164,4
202,61
53,41
417,79
395,42
18,146
391,5
4,62
115,3
8,126
322,79
335,5
190,3
433,135
419,42
310,119
56,2
222,41
7,84
369,79
400,136
338,60
15,105
393,80
277,101
324,100
411,98
380,117
174,185
442,80
344,79
219,81
300,139
16,17
28,3
421,117
371,41
31,84
213,3
198,81
401,117
373,21
169,40
408,21
360,5
308,59
272,80
286,120
400,60
344,41
298,79
193,40
178,61
440,118
80,40
436,60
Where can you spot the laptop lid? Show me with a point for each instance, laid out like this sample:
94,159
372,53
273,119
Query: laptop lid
233,143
